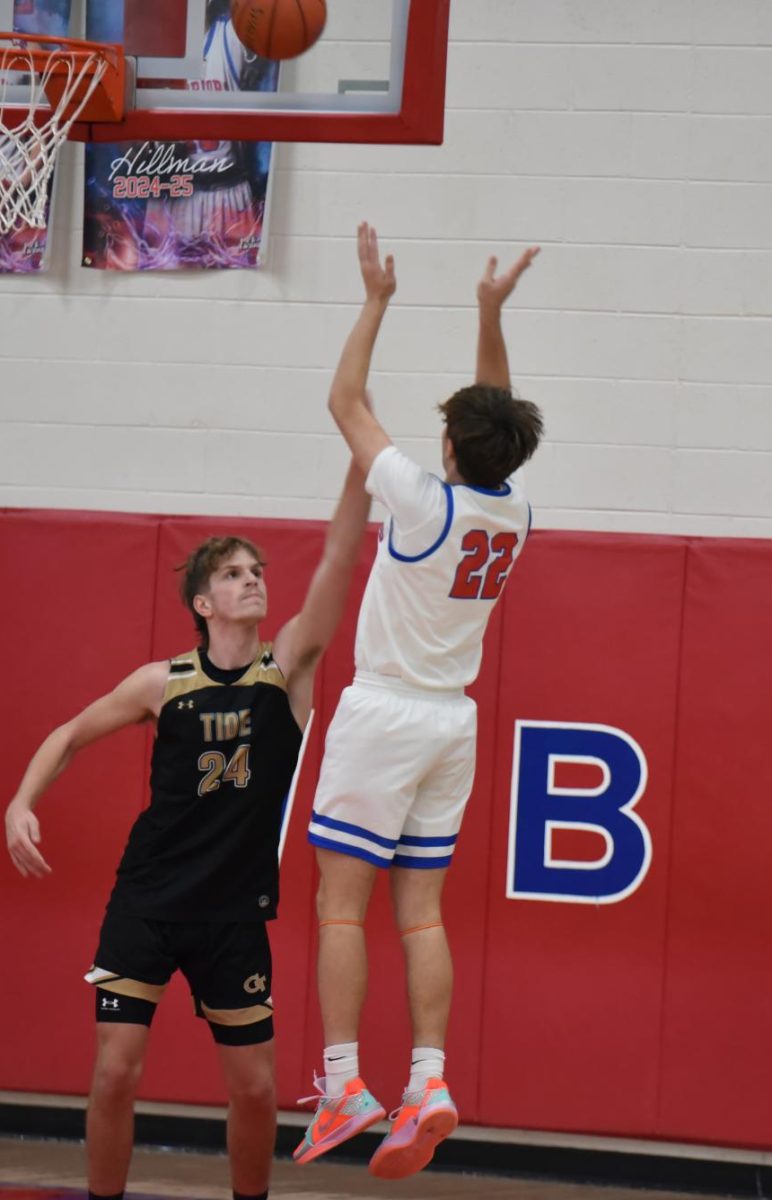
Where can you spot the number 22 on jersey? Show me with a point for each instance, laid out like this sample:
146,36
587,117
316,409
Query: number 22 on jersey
480,576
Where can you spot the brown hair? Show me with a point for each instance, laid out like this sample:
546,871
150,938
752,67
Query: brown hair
492,432
201,564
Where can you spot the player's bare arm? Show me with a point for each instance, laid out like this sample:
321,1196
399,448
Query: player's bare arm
347,403
492,291
137,698
302,641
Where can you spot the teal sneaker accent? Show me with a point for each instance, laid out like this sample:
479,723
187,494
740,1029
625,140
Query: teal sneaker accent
337,1118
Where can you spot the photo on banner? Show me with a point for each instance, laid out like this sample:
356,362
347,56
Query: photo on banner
24,250
168,206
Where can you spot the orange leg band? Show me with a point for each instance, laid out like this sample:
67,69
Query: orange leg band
420,928
360,924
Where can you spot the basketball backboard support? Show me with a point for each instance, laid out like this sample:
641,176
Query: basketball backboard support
376,75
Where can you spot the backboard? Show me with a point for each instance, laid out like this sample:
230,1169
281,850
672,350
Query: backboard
377,74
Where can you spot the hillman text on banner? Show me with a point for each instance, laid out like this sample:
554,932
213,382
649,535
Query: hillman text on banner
172,205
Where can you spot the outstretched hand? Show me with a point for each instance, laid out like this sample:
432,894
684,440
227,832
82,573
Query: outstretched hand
493,290
23,834
379,279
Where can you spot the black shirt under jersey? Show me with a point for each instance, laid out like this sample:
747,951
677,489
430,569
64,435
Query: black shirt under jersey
226,748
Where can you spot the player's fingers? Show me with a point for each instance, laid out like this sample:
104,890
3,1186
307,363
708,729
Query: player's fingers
490,270
523,263
374,254
25,855
18,863
508,280
37,865
369,246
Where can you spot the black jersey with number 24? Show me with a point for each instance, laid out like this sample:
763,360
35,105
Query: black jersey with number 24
206,848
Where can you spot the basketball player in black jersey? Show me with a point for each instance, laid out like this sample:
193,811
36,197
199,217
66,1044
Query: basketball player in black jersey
199,876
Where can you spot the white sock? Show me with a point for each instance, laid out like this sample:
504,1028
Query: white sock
426,1062
341,1063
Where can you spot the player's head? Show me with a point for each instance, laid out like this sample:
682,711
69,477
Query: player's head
490,433
223,579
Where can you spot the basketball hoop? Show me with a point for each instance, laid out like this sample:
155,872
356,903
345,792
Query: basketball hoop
46,84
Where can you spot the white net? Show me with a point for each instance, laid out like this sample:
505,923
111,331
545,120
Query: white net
28,149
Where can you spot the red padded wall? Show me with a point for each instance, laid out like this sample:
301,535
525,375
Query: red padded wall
718,1032
76,609
645,1017
571,1022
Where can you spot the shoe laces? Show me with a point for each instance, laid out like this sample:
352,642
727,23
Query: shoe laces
409,1100
320,1095
348,1106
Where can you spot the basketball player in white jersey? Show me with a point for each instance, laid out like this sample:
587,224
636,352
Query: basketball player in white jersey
400,752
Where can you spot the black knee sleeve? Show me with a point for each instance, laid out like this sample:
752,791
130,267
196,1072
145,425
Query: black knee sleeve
126,1010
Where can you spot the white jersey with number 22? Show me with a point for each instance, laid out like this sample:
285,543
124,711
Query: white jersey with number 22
443,559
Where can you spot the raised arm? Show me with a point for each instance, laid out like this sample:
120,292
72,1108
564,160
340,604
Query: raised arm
347,403
492,291
138,698
302,641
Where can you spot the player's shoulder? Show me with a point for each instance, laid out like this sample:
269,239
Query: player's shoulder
149,674
392,466
145,686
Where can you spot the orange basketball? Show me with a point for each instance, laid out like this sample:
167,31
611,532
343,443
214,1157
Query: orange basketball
278,28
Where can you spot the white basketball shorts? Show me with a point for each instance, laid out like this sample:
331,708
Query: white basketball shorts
397,771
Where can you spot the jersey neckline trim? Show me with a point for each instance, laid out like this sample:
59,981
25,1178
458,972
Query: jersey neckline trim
229,677
504,490
224,675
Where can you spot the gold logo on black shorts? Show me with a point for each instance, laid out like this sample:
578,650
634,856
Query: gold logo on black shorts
255,983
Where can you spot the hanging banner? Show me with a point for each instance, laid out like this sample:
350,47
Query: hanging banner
24,250
174,205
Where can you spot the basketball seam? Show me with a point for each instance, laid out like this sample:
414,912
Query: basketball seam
271,21
305,24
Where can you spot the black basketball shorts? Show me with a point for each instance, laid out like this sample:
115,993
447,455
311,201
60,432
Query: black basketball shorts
227,965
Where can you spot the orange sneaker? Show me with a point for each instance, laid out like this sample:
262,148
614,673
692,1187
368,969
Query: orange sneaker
424,1119
337,1118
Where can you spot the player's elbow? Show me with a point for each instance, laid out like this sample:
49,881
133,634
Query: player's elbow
67,740
342,403
60,746
336,407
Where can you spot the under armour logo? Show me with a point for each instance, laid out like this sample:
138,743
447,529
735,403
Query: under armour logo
113,1004
255,983
184,704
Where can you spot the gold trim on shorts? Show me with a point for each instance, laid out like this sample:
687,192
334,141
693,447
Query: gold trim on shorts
126,987
237,1016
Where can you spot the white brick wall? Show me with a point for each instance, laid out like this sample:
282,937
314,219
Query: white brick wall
632,138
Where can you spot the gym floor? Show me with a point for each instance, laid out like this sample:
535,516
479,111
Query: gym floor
47,1170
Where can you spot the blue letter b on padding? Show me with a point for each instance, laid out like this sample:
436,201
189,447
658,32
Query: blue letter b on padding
543,809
